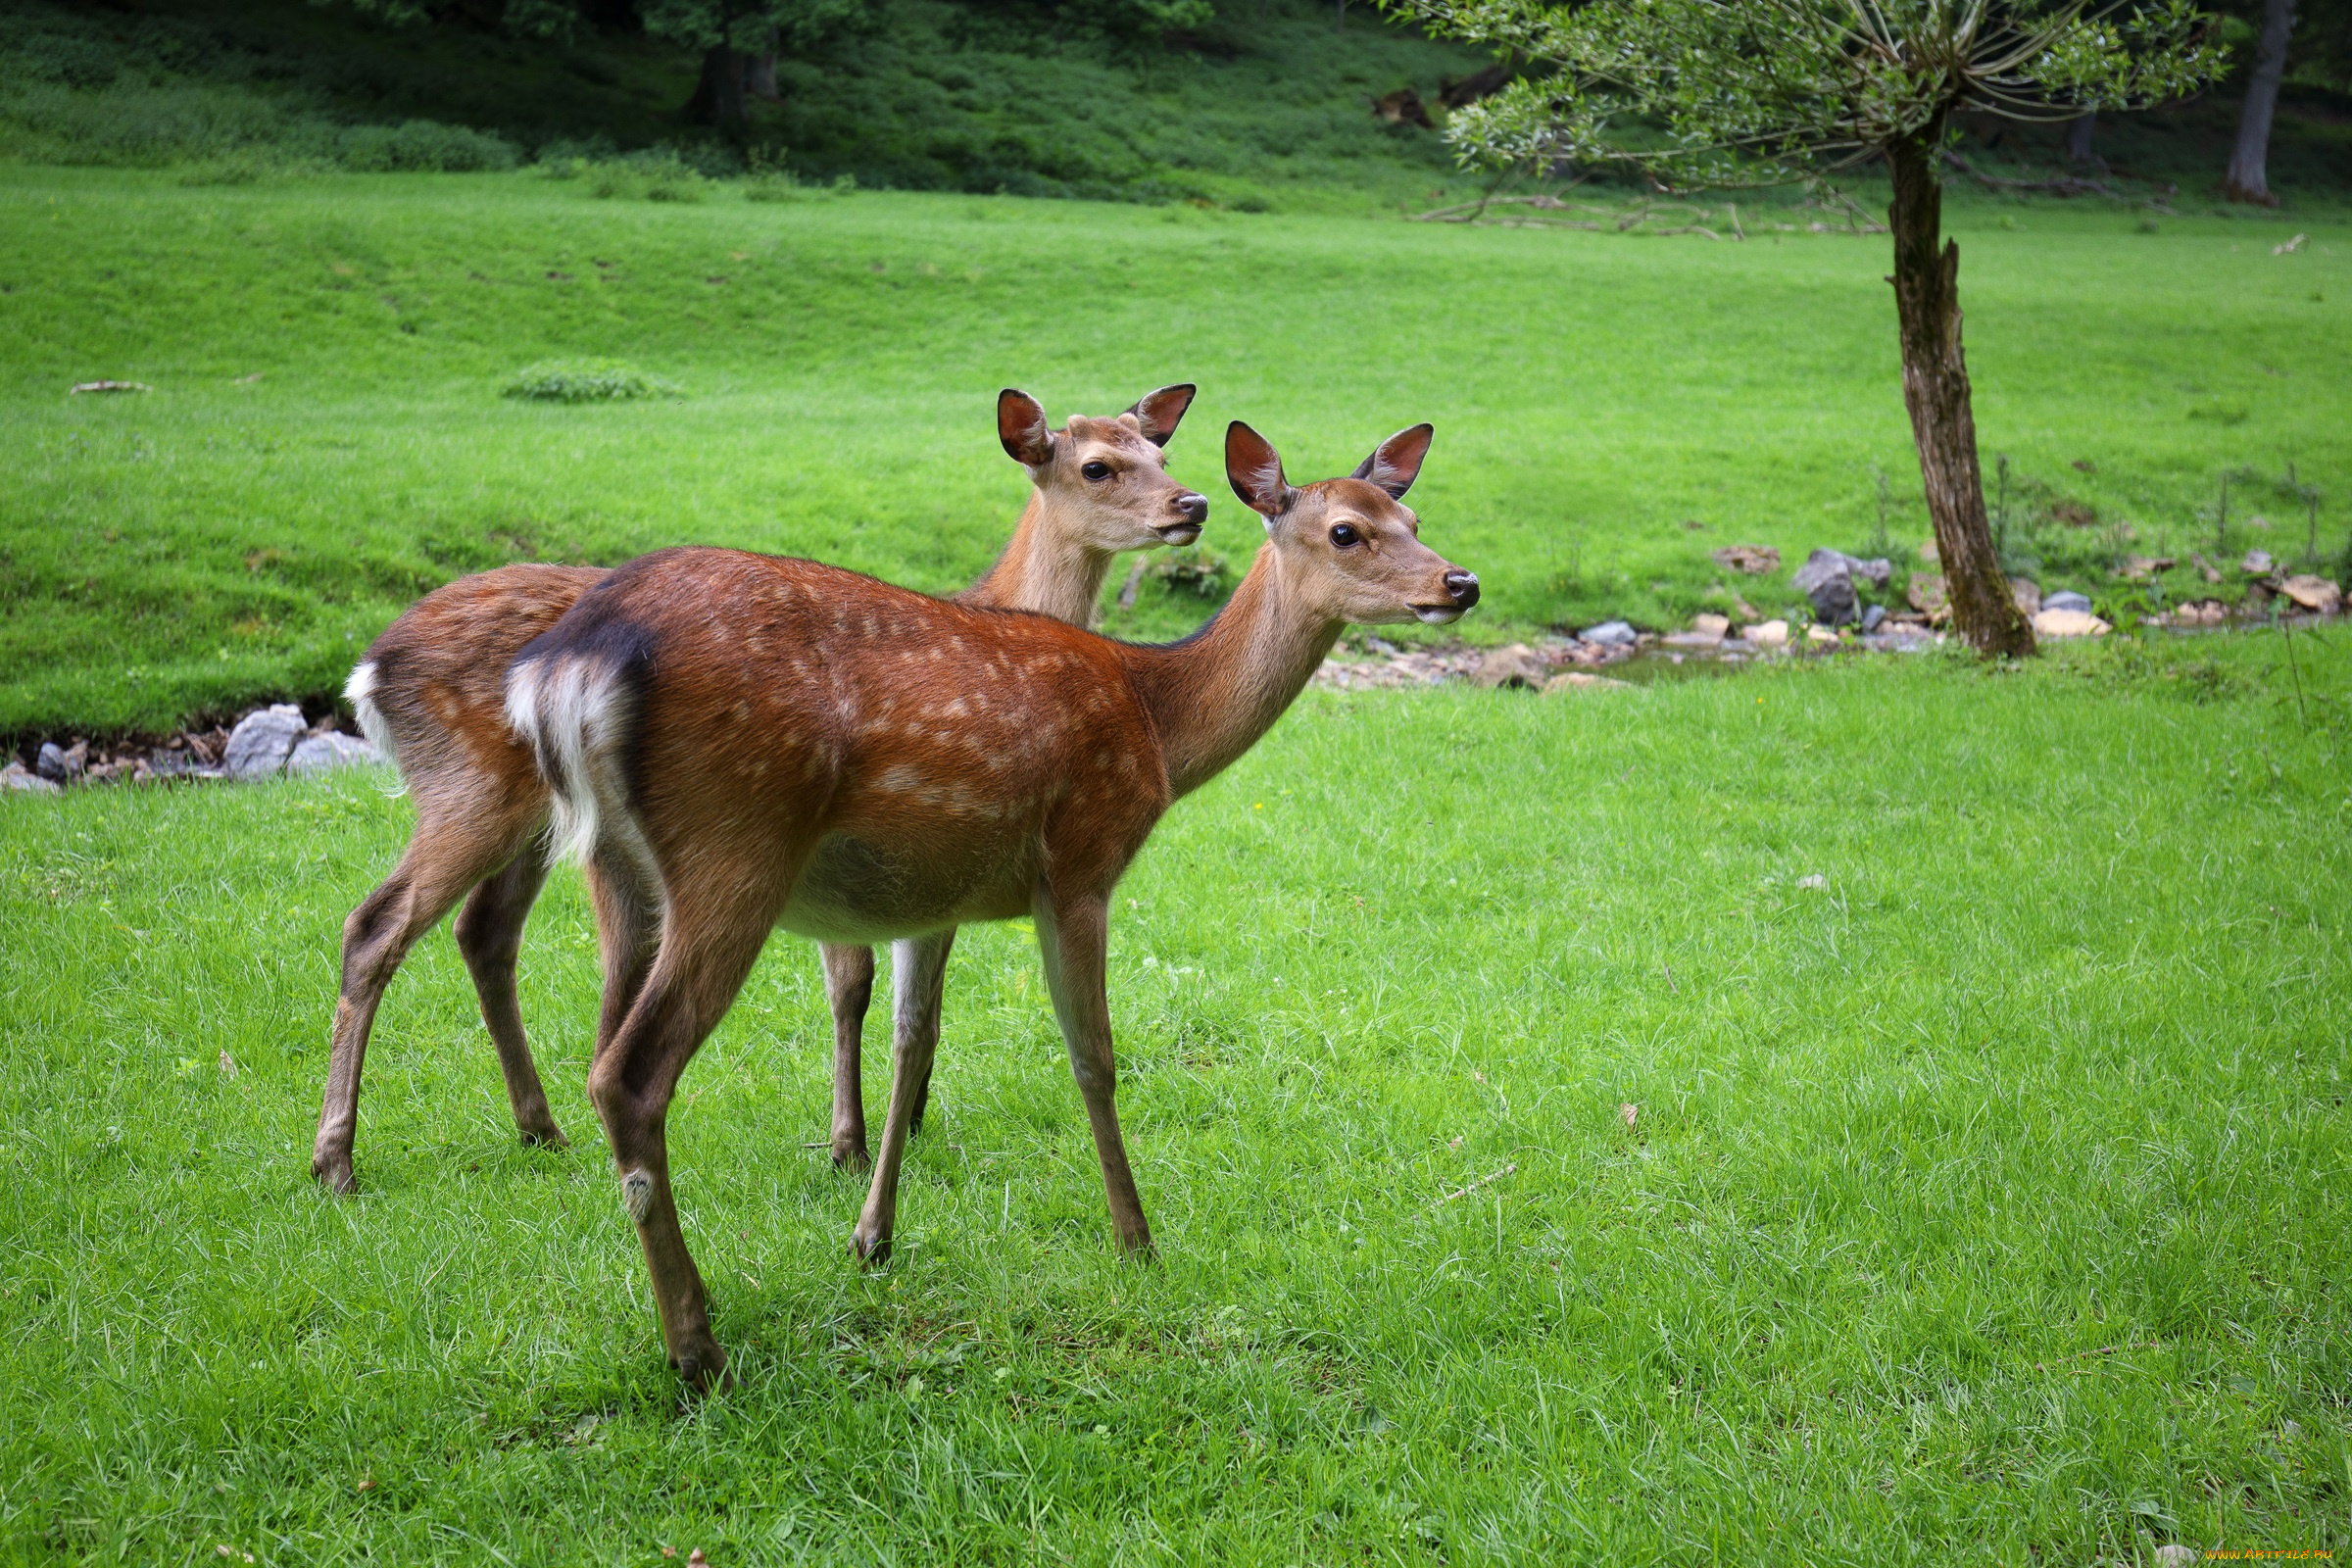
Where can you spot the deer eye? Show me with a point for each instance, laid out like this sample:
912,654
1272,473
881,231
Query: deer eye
1344,535
1097,469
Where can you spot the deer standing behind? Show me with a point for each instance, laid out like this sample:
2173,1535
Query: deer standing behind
895,765
430,693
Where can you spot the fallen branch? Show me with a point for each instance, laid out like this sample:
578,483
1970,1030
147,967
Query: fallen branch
2055,185
1512,1169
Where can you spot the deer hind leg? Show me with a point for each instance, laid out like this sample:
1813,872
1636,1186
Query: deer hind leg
445,858
706,952
489,933
629,924
849,991
1073,939
919,965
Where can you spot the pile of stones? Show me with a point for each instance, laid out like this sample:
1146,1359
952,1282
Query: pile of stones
265,744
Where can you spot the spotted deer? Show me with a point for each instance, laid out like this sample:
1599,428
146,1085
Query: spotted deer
431,695
895,766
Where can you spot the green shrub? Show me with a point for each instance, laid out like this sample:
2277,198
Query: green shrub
426,145
654,176
1196,570
587,381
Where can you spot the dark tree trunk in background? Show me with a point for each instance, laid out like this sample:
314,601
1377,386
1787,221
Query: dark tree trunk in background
2078,137
760,72
718,96
1927,307
2248,178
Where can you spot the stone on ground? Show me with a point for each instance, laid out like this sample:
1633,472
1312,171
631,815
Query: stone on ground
1827,580
2067,599
1612,633
315,754
2313,593
262,741
2069,623
1754,559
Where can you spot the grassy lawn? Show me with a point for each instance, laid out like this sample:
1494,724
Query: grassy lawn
326,437
1983,1202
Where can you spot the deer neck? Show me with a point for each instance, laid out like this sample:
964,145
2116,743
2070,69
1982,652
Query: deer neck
1042,569
1212,695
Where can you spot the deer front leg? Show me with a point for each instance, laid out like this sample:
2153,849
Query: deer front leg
1073,937
917,967
849,991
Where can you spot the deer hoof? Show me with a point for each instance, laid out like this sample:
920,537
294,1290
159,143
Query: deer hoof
705,1368
852,1157
871,1251
545,1135
334,1174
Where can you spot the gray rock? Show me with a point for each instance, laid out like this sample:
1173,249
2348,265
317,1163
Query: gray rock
315,754
18,776
2067,599
2258,563
51,763
260,745
1871,617
2027,594
1827,580
1612,633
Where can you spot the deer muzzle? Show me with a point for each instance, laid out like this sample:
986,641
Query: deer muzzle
1193,511
1461,593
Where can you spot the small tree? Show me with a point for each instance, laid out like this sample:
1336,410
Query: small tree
1716,94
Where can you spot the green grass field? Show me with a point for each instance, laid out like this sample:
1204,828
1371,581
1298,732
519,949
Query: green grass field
1983,1204
326,438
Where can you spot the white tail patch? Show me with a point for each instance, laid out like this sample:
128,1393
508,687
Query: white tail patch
360,692
575,714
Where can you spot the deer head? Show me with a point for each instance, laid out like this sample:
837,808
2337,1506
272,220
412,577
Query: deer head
1350,548
1108,478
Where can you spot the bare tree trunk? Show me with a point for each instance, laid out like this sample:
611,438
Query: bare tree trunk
760,73
718,94
1927,307
2246,181
2078,137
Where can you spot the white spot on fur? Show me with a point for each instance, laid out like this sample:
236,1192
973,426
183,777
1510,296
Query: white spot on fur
637,1192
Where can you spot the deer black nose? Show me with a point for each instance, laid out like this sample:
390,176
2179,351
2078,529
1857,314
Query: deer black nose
1463,588
1194,506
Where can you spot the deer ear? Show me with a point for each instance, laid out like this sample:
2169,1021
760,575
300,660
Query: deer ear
1021,426
1158,413
1397,462
1254,471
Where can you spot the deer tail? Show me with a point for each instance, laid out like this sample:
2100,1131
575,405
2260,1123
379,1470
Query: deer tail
577,709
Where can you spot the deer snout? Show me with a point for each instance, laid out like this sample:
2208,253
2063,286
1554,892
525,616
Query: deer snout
1193,511
1461,592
